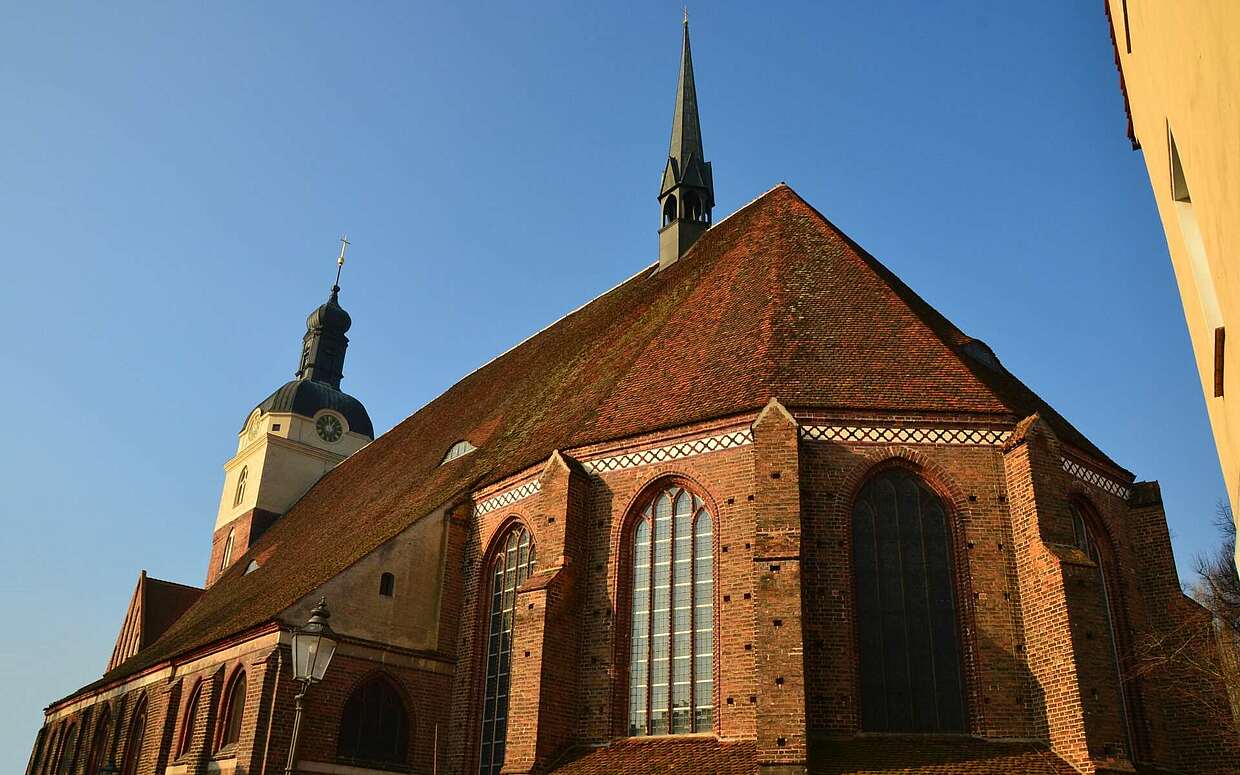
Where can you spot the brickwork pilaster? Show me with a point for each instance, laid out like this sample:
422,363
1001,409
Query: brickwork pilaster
778,645
543,702
1029,463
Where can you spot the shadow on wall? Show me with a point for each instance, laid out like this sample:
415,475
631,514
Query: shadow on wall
1001,697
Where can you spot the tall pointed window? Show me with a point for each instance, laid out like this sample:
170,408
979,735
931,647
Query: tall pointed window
671,643
234,711
1090,541
240,492
68,751
49,752
187,723
226,555
99,744
512,564
133,743
906,608
374,728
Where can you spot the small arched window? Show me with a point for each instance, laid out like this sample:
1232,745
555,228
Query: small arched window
387,585
907,626
240,492
669,209
513,562
133,742
187,724
99,744
234,711
226,555
671,644
459,449
374,728
692,207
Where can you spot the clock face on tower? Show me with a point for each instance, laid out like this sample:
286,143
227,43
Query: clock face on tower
328,428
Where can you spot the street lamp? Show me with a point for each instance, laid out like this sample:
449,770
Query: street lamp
313,647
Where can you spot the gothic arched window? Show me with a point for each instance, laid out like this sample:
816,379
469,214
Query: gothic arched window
692,207
133,743
68,751
187,724
669,209
671,643
99,744
512,564
234,710
240,492
226,555
53,745
907,624
1089,539
374,728
47,752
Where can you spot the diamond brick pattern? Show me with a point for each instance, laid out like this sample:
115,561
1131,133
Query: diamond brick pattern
670,452
873,434
507,498
1090,476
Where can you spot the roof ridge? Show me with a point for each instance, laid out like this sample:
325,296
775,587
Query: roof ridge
579,308
942,326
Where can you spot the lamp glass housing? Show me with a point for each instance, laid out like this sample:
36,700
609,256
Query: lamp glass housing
313,647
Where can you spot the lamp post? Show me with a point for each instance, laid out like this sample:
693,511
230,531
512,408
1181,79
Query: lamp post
313,647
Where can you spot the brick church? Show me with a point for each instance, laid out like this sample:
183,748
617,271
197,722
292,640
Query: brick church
759,508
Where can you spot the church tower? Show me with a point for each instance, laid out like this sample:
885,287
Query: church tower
300,432
687,191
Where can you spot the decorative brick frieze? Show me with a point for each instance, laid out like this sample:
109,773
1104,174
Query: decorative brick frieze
1101,481
507,498
886,434
670,452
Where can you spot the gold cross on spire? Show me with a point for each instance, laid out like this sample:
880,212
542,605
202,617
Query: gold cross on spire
344,245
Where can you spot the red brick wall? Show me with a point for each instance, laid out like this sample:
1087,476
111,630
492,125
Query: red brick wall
779,667
246,529
1037,656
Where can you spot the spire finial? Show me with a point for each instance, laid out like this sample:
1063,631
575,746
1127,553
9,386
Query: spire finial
344,245
686,10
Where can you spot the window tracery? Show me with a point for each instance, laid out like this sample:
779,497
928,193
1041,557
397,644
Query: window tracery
671,637
512,564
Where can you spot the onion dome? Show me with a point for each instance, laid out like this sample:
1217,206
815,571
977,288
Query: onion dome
330,315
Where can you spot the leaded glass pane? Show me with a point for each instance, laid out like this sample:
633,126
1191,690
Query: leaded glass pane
671,659
512,565
639,665
703,624
906,609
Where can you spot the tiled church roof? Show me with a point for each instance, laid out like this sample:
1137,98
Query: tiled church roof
877,755
933,755
664,756
773,301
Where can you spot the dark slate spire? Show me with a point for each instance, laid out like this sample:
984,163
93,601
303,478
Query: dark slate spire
686,131
687,191
323,346
317,384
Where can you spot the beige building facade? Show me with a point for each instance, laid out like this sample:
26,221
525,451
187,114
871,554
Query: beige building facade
1179,68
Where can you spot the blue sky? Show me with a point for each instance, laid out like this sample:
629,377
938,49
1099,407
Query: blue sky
175,177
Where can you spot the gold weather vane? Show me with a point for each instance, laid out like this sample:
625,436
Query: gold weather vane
344,245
